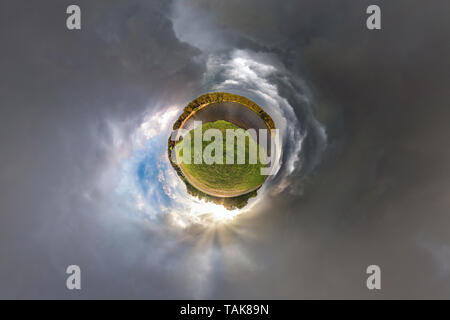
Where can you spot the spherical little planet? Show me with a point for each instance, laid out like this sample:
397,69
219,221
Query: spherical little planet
217,152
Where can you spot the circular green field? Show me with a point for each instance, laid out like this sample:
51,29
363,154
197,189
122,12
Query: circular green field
222,180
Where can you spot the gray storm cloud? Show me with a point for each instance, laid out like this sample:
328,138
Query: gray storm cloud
364,176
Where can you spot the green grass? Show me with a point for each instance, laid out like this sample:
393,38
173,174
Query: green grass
222,179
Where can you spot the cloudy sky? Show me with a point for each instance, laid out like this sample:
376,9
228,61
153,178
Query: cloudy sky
364,177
